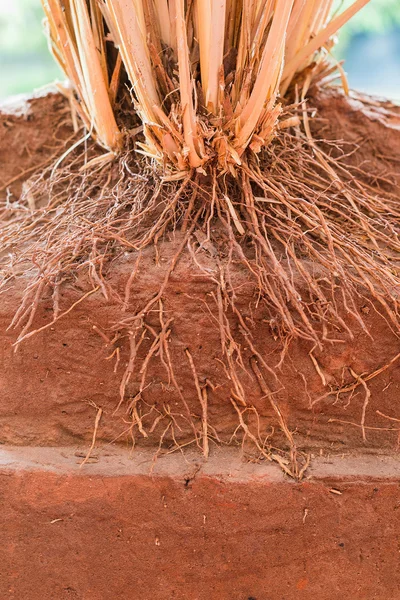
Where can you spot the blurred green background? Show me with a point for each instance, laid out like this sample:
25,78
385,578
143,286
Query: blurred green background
370,44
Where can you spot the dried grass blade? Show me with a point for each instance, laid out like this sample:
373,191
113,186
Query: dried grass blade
321,38
94,87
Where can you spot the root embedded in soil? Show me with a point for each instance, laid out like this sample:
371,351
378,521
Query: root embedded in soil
310,235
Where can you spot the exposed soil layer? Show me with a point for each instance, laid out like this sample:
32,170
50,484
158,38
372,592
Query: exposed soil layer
52,388
228,531
33,132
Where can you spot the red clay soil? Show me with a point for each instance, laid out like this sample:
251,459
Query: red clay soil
49,389
32,132
178,528
228,531
48,386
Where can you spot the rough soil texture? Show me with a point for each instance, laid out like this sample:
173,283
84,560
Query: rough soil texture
32,131
129,525
229,531
50,388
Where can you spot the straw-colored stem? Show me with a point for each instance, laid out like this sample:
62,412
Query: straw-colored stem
205,75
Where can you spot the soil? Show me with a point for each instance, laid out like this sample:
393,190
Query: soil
34,130
52,388
228,531
178,527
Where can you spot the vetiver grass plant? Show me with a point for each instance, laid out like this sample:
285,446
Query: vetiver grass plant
207,78
201,133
